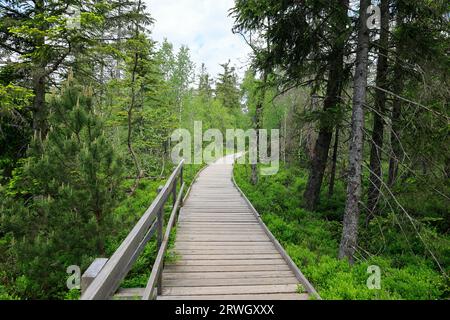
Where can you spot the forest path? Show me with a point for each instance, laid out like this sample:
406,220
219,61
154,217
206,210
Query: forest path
223,249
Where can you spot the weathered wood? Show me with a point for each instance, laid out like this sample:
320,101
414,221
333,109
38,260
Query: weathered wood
230,262
225,275
226,251
222,249
188,291
224,238
266,296
221,245
275,268
128,294
230,256
115,270
299,275
91,273
156,274
228,282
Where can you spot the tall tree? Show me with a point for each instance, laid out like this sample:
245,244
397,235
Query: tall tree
139,56
205,83
376,176
227,89
330,106
351,216
308,41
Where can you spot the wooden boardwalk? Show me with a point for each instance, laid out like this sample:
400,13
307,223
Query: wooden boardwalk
224,251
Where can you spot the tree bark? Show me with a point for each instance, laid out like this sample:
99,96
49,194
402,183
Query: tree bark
39,80
351,215
333,164
378,122
39,112
323,142
398,86
257,125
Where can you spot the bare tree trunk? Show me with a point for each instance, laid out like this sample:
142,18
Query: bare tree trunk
258,117
378,122
351,215
39,81
333,164
257,125
39,112
396,116
323,142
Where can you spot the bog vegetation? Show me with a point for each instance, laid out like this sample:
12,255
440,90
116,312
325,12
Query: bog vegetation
87,110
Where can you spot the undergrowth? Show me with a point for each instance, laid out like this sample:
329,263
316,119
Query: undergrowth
312,241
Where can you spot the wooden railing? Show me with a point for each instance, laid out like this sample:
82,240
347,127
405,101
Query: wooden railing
107,274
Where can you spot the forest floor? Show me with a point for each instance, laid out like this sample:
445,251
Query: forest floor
312,241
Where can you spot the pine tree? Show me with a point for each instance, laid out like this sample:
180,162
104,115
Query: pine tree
70,182
227,90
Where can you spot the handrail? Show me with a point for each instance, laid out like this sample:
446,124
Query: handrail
298,274
155,279
115,270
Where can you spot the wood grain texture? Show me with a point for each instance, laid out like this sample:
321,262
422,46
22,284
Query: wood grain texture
222,251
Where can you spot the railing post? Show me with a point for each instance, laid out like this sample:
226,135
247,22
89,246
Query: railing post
181,174
160,227
174,192
181,182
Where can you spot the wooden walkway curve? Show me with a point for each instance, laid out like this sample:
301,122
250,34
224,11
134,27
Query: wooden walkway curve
224,251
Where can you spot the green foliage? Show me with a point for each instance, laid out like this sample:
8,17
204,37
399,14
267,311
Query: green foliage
73,179
227,89
313,242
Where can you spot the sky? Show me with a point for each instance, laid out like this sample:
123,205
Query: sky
205,27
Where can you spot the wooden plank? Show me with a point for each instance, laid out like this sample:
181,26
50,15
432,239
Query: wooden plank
225,275
212,213
129,294
229,262
309,287
221,237
206,228
211,225
218,233
229,282
221,245
219,217
176,269
215,219
92,272
230,252
220,290
230,256
271,296
155,276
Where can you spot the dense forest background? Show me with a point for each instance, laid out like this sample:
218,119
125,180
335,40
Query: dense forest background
87,108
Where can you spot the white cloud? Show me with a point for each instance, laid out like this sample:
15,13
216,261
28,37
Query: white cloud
204,26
